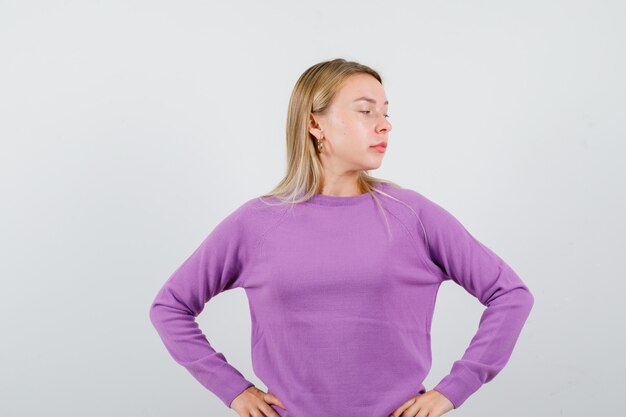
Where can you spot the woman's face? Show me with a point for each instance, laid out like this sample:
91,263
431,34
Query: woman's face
354,122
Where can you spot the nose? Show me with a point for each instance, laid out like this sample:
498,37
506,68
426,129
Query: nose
385,124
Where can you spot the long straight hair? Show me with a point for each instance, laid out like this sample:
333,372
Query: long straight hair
313,92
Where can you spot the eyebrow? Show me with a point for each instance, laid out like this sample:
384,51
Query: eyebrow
371,100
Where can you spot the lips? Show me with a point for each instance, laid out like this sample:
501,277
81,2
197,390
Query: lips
380,147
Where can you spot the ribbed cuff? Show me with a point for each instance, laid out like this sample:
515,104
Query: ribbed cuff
458,385
232,384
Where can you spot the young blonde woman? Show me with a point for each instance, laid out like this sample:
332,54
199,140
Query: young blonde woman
341,271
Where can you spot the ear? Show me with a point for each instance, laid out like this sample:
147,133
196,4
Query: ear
314,128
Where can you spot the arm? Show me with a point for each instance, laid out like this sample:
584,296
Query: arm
487,277
215,266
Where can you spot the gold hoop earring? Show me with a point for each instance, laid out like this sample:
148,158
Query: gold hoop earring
320,145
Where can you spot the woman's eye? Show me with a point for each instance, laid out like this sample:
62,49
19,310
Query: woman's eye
367,111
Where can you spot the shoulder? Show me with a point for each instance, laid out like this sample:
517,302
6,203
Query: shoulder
413,198
255,215
261,209
417,207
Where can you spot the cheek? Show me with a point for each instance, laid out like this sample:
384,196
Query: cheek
356,130
351,136
352,147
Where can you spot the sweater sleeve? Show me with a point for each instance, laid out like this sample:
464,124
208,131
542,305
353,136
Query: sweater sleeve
215,266
487,277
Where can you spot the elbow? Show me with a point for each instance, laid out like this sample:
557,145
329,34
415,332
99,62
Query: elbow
530,300
519,298
158,308
520,294
164,308
154,313
158,316
524,299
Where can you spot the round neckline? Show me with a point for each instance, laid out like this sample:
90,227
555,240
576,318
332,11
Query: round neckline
334,200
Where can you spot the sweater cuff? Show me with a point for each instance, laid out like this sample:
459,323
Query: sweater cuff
233,383
458,385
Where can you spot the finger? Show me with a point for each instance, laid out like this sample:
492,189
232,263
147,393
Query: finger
417,410
398,412
267,410
272,399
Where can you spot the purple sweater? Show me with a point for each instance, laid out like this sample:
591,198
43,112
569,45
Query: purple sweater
341,293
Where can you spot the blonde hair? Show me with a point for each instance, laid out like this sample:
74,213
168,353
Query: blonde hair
313,93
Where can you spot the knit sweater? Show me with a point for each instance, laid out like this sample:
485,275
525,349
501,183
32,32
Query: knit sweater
341,293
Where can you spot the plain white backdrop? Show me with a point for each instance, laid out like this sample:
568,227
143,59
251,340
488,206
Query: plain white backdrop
129,129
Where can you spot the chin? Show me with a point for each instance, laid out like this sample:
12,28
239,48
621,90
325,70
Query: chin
372,166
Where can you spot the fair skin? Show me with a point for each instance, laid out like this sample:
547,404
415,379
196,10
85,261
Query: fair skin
349,127
253,402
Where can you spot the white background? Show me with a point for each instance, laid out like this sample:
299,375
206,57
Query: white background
129,129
